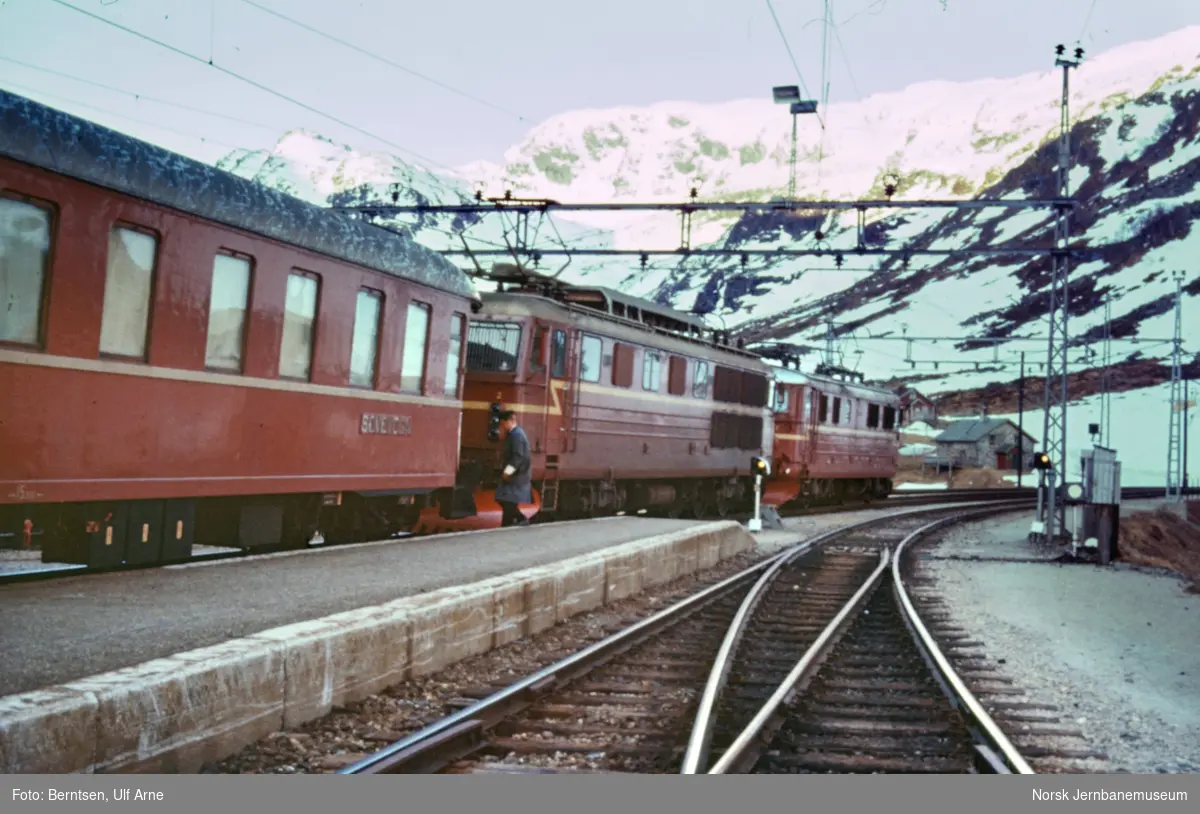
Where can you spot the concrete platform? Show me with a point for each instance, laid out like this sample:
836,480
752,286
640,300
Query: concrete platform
105,684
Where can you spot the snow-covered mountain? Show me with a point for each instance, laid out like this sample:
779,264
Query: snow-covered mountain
1135,114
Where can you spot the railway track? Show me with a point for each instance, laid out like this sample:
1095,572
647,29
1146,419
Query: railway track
896,499
629,702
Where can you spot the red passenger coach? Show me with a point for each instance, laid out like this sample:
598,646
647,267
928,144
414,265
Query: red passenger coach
189,357
629,406
835,438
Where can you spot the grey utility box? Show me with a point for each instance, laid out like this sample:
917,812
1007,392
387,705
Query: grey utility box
1101,502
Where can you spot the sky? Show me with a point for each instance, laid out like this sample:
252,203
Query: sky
469,79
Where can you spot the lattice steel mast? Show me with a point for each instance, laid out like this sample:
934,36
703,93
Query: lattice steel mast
1176,428
1051,508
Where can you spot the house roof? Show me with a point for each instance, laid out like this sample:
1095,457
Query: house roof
973,429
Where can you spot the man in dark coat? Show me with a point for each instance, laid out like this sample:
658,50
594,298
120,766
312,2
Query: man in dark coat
516,485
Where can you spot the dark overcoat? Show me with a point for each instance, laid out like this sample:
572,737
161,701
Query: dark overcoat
519,487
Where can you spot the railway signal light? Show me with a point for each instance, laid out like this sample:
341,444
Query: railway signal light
760,466
1041,461
1073,492
494,422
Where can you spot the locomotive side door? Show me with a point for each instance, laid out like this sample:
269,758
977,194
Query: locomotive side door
562,393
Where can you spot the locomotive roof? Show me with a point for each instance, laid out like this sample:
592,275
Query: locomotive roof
881,395
620,328
57,141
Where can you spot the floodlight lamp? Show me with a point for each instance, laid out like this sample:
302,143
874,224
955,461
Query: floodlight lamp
1059,49
786,94
807,106
891,182
1079,53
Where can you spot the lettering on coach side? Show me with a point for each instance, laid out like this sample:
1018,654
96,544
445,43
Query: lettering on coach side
380,424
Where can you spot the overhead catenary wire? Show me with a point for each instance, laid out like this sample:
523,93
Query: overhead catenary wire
142,96
250,82
377,57
107,112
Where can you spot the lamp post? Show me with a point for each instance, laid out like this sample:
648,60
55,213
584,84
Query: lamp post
790,95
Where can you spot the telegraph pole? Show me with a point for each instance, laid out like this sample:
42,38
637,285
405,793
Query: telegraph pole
1021,423
1175,426
1105,378
1051,520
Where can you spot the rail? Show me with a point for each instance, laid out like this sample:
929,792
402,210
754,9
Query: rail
462,732
741,754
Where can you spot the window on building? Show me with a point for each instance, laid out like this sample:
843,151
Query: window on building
128,287
651,370
299,324
416,338
590,357
227,306
24,257
454,358
364,348
558,355
700,381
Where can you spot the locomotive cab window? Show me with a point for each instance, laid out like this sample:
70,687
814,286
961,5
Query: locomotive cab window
823,409
227,313
873,416
837,410
24,256
364,347
700,381
299,318
889,418
537,349
416,338
782,399
492,347
651,370
590,357
128,286
454,358
558,354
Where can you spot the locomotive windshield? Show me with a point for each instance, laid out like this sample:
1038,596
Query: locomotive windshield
492,347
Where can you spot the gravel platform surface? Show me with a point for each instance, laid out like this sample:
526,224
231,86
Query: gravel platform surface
1117,649
74,627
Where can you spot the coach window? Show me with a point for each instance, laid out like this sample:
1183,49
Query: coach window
592,348
227,313
454,358
700,381
651,370
24,252
364,347
416,337
128,286
299,318
558,355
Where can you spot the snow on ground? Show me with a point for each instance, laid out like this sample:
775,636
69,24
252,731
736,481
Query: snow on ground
921,428
918,487
917,449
